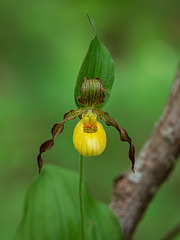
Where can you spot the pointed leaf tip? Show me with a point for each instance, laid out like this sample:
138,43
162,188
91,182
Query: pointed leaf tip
93,24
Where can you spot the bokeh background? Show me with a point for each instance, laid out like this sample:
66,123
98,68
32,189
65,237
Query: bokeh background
42,46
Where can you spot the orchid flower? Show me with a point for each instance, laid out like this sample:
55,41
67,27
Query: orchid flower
89,136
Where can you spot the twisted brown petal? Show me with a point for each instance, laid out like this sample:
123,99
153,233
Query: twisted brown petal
56,130
104,116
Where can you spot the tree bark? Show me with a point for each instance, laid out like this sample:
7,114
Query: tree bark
132,193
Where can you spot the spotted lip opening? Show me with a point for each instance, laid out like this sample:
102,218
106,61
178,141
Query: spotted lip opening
90,124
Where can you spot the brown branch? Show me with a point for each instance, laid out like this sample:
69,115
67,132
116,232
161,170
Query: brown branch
133,192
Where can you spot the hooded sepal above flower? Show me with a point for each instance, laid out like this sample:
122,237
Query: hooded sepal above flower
56,130
104,116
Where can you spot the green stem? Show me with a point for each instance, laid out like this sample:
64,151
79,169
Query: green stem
81,196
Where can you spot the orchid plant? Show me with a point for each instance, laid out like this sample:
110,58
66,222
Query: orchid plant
92,91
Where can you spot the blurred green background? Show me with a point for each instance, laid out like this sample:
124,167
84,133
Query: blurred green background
42,46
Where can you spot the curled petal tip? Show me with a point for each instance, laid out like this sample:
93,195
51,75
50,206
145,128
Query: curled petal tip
132,155
40,163
44,147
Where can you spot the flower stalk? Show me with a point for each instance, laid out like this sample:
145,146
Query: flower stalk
81,206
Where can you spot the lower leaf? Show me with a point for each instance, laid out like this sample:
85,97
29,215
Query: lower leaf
52,210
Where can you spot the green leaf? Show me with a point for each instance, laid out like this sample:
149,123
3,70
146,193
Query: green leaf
52,210
97,64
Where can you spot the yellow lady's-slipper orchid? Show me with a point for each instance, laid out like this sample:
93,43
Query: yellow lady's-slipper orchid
89,137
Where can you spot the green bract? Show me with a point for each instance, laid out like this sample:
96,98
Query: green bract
52,210
97,64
